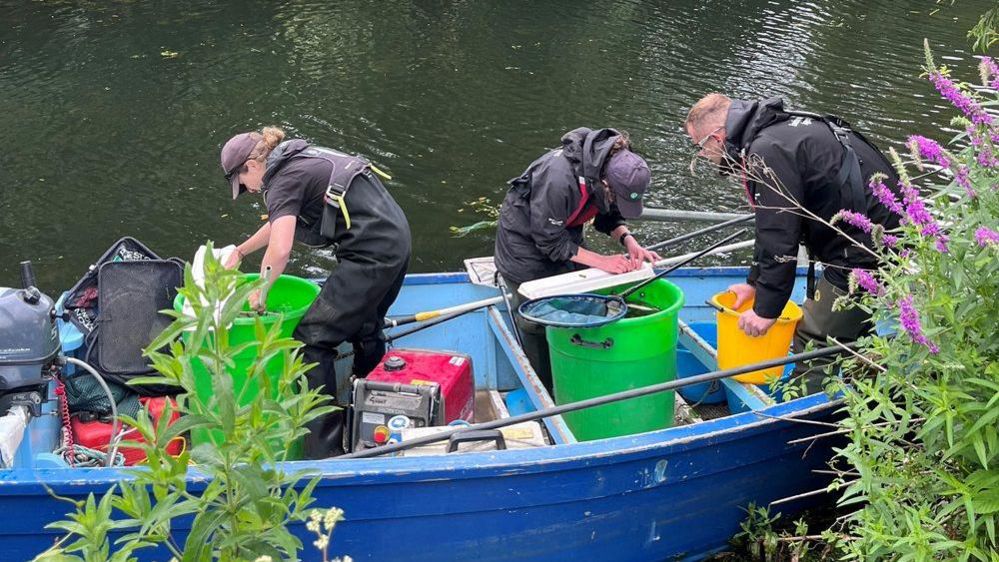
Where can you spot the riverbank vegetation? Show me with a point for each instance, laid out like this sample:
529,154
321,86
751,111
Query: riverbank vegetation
918,478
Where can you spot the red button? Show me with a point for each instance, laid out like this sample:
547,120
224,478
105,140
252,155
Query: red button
381,435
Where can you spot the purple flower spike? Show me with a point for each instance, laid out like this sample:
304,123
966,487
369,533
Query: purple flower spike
985,236
885,196
962,179
909,318
976,138
917,213
986,158
854,219
928,149
866,281
889,241
990,73
941,244
968,106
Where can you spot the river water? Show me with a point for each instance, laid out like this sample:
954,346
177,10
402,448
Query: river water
113,112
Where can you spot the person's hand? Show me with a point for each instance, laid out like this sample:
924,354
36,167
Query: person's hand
616,264
754,325
744,292
637,254
255,303
233,260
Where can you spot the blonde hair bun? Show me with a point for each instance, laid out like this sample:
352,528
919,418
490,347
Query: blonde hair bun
272,137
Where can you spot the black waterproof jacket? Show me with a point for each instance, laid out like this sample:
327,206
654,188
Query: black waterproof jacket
532,239
805,156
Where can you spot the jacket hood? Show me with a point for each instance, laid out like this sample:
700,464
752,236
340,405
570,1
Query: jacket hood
746,119
588,150
280,156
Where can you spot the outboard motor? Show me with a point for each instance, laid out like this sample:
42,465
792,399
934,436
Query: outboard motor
29,344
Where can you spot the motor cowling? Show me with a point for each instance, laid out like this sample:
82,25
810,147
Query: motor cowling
29,345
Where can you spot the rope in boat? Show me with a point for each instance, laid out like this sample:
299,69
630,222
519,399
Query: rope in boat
79,456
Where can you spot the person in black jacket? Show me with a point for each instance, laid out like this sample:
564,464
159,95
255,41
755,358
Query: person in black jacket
321,197
797,168
593,176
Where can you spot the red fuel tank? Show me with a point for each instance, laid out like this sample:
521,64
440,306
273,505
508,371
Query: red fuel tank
451,370
97,434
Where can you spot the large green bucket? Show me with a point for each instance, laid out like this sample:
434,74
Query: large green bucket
626,354
289,297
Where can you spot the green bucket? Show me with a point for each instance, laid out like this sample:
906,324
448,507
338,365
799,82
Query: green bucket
626,354
290,297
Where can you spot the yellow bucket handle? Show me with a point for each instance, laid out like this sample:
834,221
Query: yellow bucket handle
727,310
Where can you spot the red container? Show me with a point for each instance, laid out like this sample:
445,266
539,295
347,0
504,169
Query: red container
452,371
96,434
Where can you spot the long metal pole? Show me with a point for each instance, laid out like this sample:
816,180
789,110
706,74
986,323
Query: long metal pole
684,262
696,233
599,401
666,215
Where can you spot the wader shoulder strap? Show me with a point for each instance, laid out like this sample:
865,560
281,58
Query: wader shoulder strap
849,179
345,169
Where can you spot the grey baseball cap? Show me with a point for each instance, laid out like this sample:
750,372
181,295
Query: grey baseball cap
629,176
235,153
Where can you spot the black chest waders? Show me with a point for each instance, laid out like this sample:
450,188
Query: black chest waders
849,179
321,233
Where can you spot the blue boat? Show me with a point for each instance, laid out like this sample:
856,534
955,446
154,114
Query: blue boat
672,494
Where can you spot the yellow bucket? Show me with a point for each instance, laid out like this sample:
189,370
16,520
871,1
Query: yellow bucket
736,349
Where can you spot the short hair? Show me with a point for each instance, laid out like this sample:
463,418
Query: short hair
709,111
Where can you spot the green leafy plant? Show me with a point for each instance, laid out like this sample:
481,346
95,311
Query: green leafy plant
923,453
241,508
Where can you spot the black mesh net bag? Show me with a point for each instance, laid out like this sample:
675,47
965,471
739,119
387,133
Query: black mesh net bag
81,300
131,295
585,310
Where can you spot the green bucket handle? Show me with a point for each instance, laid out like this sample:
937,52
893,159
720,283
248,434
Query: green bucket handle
576,339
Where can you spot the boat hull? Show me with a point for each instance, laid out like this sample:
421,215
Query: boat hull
674,494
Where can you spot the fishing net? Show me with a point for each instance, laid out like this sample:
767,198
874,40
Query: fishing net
574,311
84,395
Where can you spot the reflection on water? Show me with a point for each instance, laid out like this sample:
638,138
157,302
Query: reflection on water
113,115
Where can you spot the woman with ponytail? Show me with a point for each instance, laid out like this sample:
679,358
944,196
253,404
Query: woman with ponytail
321,197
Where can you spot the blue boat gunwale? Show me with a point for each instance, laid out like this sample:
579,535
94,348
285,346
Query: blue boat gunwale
471,465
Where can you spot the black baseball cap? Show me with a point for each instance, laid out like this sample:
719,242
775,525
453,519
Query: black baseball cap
629,176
